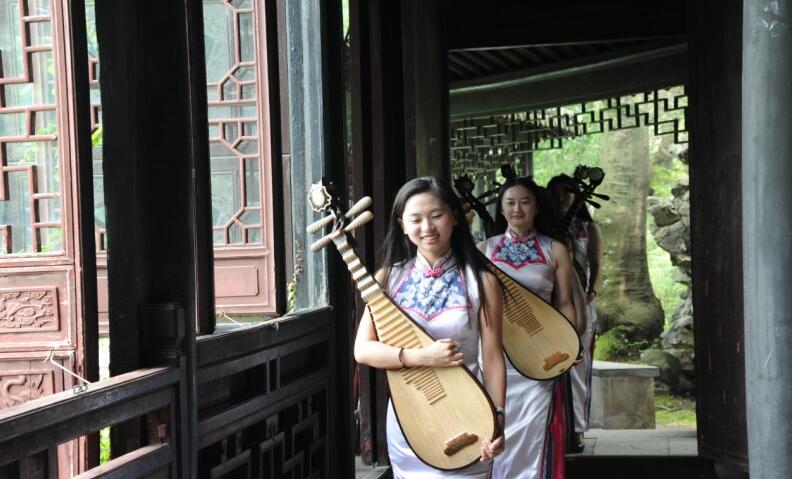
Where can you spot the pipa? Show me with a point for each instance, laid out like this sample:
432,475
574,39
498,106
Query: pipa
539,341
444,413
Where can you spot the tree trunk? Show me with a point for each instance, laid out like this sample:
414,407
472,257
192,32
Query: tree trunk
626,299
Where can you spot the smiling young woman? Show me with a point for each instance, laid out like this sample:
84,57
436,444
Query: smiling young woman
431,270
528,254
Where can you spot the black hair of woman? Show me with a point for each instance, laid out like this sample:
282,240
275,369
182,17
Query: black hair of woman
397,247
545,219
566,181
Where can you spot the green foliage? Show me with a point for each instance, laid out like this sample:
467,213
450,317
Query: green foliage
674,411
665,176
617,344
104,445
97,137
52,240
583,150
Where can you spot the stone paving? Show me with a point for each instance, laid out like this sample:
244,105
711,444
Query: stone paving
608,442
363,471
641,442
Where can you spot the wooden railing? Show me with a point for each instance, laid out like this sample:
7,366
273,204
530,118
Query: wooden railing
31,433
269,404
266,400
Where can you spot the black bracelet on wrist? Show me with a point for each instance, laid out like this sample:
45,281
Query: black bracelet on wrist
401,357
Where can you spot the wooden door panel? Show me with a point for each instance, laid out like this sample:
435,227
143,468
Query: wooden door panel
242,281
236,74
39,293
36,309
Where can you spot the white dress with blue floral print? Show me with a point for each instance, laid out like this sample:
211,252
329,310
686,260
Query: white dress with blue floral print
444,301
527,259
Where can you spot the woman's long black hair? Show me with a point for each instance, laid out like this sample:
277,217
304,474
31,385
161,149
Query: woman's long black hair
545,219
397,247
567,182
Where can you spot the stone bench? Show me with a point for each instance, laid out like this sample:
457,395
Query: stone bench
622,396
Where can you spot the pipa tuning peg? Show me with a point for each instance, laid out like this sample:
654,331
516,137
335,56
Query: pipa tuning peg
322,242
361,205
362,219
319,224
594,204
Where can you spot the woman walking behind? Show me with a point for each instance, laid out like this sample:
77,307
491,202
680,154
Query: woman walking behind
587,256
527,253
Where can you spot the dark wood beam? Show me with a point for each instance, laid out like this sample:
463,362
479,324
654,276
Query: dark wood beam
472,24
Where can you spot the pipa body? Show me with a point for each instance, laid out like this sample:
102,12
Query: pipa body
444,413
539,341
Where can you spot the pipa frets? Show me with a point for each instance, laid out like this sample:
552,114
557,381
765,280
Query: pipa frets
524,315
425,380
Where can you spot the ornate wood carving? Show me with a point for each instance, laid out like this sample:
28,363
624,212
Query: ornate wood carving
32,309
18,387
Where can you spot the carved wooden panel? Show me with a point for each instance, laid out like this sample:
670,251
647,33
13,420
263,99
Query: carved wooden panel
25,376
18,387
39,293
34,309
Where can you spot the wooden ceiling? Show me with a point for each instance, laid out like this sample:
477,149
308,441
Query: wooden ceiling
505,36
467,65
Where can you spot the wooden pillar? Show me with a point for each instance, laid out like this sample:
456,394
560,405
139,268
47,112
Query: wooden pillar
425,88
767,229
341,404
79,95
156,176
378,169
716,228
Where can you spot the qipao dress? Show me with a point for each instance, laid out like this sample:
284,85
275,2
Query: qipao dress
444,301
580,375
529,404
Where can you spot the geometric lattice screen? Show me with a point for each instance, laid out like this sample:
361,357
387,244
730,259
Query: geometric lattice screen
485,143
230,39
31,209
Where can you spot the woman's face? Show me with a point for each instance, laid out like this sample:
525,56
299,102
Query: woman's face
563,196
429,223
519,208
